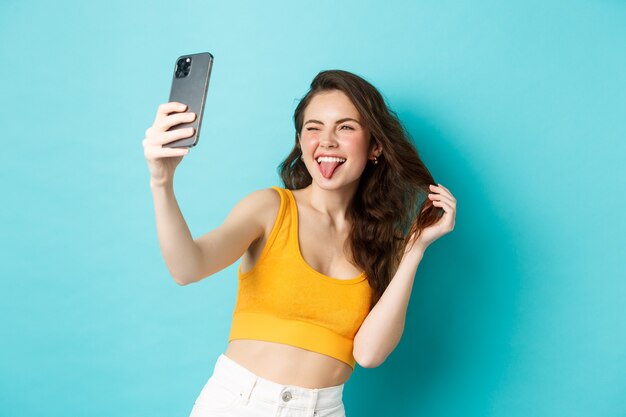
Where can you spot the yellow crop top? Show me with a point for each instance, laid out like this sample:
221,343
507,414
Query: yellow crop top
283,299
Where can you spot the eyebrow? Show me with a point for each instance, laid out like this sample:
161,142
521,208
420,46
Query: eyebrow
345,119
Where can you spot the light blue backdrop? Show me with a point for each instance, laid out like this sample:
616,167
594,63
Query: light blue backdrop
517,107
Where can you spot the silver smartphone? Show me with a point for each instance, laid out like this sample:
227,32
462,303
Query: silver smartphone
190,83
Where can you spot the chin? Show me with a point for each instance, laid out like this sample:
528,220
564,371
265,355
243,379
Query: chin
334,183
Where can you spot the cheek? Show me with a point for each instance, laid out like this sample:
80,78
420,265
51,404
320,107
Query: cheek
309,144
357,148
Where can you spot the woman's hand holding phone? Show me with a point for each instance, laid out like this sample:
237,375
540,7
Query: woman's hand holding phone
162,161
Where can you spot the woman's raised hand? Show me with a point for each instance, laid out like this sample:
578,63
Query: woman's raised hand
443,198
440,197
162,162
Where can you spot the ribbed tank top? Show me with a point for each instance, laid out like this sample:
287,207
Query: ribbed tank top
283,299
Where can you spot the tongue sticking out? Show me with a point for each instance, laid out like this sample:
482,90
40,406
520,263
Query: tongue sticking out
328,168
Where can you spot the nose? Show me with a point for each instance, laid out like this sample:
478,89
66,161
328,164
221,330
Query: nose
328,140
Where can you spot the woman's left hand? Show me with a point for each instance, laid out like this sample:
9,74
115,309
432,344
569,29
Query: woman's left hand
441,197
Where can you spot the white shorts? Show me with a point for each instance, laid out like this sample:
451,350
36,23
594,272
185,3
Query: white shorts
235,391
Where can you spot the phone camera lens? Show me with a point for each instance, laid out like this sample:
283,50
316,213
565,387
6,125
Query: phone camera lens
182,67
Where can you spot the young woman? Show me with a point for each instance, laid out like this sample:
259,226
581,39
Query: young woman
328,261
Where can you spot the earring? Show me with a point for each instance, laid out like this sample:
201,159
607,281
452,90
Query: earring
302,157
375,160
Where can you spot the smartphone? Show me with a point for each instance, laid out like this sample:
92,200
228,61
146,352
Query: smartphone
190,83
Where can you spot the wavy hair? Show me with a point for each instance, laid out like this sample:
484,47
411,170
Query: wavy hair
390,203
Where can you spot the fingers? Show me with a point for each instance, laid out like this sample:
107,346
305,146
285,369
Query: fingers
443,204
153,145
448,218
443,199
171,114
166,108
173,120
159,138
444,192
440,188
168,115
446,201
153,152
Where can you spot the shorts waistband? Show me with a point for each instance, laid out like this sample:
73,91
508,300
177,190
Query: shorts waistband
249,385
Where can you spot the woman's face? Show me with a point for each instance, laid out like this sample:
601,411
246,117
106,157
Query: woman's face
332,126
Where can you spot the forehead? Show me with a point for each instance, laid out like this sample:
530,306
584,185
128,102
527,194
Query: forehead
330,105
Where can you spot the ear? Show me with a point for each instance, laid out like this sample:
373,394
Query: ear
376,148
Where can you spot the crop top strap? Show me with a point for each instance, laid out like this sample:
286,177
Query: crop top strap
279,238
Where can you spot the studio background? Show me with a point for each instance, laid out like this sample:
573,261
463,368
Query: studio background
516,107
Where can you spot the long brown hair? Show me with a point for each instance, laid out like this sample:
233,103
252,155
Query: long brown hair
386,209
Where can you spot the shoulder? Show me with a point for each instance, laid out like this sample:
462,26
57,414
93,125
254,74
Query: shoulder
263,204
263,199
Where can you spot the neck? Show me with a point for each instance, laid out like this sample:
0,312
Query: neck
331,203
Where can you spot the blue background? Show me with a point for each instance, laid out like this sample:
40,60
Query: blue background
517,107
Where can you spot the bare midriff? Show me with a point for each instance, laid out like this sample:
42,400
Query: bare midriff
288,365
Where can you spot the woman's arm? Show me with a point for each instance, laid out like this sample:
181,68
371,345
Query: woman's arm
177,245
382,329
190,260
